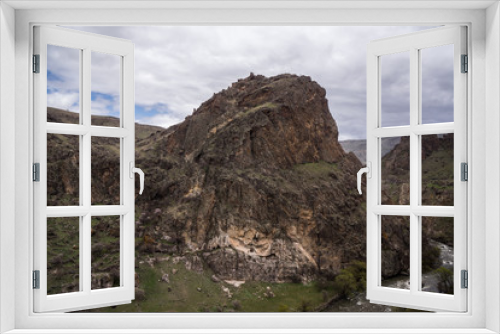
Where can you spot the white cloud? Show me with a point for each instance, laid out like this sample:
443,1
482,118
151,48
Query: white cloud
64,100
162,120
102,106
105,74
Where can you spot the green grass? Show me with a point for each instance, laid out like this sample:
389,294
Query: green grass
182,295
317,169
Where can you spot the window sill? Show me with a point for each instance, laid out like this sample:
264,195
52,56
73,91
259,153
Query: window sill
254,331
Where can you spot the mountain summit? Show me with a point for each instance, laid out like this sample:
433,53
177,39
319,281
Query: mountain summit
274,122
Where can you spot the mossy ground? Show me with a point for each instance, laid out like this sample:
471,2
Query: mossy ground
189,291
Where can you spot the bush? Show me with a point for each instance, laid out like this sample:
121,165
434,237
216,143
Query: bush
358,270
351,279
445,280
345,283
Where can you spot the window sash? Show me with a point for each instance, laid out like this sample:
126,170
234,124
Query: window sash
85,298
414,298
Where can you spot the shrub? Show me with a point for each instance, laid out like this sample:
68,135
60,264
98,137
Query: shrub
445,280
358,270
345,283
351,279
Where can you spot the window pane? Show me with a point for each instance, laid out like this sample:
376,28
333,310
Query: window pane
395,89
437,84
63,255
437,254
106,76
395,243
63,84
437,169
105,235
395,170
105,171
63,173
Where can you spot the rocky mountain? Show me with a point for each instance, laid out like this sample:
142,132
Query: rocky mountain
253,185
258,183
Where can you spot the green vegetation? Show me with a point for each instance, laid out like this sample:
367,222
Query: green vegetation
189,291
320,169
351,279
63,261
445,280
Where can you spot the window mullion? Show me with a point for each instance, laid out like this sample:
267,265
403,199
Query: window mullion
414,171
85,240
80,180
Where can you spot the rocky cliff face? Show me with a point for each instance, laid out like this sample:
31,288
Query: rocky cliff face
257,183
254,184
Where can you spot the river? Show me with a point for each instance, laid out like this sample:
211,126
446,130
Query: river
359,303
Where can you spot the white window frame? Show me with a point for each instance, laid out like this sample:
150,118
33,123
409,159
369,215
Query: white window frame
483,20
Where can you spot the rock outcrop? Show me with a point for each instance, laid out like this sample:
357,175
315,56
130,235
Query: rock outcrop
254,184
256,181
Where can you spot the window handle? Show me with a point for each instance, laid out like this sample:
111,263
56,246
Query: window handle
368,171
134,170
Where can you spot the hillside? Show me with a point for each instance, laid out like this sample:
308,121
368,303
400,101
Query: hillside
63,116
437,180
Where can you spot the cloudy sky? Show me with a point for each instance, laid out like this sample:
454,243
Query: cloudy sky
178,68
